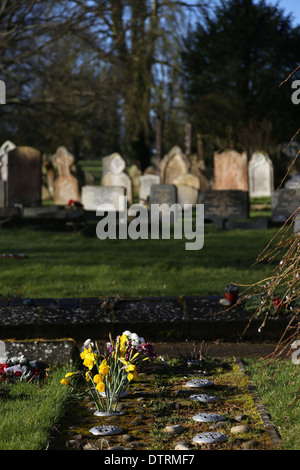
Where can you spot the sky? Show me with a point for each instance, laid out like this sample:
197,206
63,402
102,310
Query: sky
289,6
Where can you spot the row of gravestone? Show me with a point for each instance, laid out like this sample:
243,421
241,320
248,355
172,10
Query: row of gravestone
21,178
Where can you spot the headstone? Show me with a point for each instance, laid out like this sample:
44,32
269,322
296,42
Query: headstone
94,196
297,225
146,182
293,182
231,171
116,176
174,164
284,202
188,187
2,193
65,186
261,175
163,194
135,174
24,177
4,149
225,204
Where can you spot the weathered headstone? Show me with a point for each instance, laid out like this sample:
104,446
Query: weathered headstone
163,194
135,174
174,164
188,187
94,196
66,185
297,225
284,203
293,182
230,171
225,204
146,182
115,175
24,178
261,175
2,194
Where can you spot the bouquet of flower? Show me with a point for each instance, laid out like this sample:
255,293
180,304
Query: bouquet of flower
20,368
107,376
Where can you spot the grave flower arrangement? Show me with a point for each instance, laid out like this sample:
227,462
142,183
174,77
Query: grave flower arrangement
107,376
20,368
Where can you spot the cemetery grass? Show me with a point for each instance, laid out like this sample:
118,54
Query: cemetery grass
78,264
278,385
30,411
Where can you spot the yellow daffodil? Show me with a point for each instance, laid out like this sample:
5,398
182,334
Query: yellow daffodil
88,376
69,374
65,382
122,345
104,368
97,378
132,372
100,387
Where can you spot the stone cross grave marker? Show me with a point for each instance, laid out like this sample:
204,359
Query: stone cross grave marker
115,175
65,186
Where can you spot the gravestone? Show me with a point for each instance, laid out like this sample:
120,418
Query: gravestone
135,174
4,150
261,175
188,187
219,204
174,164
297,225
2,194
293,182
163,194
231,171
146,182
65,186
94,196
115,175
24,176
284,202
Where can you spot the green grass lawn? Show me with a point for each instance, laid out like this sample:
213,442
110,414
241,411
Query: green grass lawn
69,264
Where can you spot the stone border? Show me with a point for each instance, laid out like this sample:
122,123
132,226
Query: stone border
270,428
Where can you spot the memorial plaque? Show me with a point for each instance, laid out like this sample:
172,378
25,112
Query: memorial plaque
284,203
163,194
24,176
105,430
203,398
221,204
199,383
209,438
94,196
207,417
